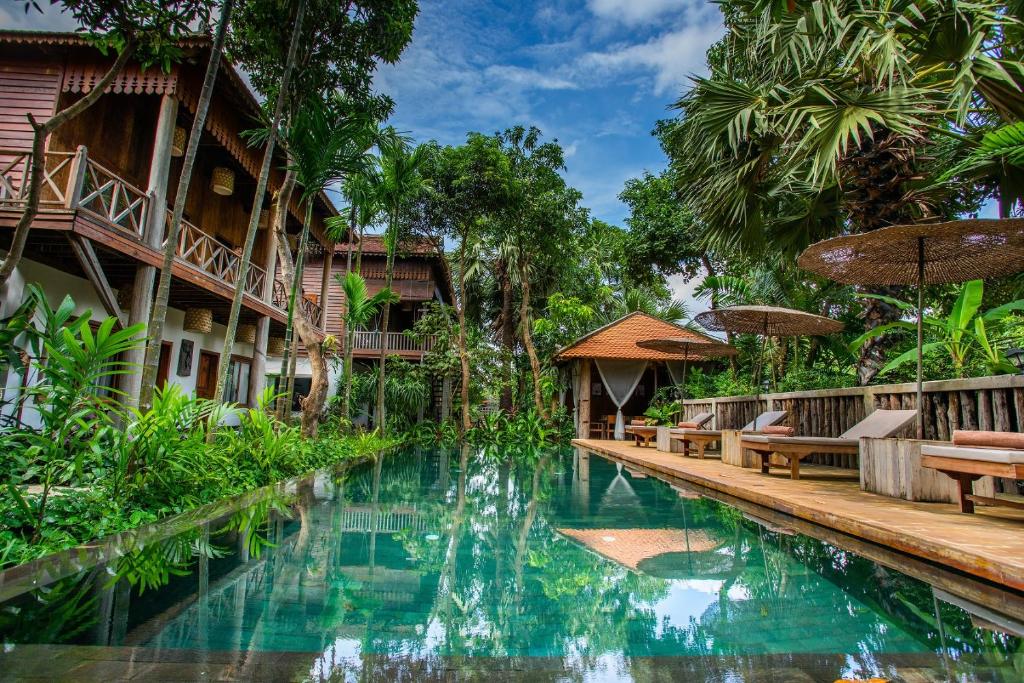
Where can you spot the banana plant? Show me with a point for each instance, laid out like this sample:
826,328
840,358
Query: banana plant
962,334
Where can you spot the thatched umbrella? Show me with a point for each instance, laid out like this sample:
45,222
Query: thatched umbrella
929,254
767,321
688,348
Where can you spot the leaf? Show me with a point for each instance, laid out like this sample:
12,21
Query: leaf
909,356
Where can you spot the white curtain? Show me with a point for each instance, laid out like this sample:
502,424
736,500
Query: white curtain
620,378
575,386
675,371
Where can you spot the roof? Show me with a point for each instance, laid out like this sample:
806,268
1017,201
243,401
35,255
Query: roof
410,246
618,340
630,547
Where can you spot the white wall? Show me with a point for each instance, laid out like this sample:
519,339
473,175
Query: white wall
57,284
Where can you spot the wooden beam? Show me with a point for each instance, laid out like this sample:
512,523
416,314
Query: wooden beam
86,256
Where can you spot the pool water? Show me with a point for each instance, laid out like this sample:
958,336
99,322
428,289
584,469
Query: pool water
439,563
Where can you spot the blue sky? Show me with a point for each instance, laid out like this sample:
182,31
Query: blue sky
595,74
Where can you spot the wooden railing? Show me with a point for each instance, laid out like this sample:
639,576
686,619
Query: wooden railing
396,341
207,253
106,195
15,166
72,180
989,403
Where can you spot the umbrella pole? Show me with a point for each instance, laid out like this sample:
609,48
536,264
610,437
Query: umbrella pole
920,337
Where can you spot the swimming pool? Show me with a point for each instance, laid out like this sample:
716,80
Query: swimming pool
434,563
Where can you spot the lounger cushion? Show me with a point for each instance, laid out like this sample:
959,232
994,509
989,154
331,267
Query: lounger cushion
976,439
1001,455
688,425
778,430
695,433
782,441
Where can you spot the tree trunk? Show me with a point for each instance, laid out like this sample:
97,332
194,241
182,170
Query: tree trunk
294,292
460,310
350,333
385,316
254,217
507,334
158,316
37,169
531,352
312,339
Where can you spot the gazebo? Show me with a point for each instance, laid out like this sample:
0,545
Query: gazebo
626,375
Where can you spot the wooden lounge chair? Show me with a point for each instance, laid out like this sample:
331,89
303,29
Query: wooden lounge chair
967,463
879,424
702,438
644,434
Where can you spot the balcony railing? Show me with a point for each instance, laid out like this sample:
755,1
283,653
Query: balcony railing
71,180
396,341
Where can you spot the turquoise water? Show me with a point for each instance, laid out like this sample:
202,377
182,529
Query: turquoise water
546,566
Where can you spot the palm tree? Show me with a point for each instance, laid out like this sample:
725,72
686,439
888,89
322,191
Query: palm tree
817,118
360,308
327,141
398,183
158,316
635,299
257,206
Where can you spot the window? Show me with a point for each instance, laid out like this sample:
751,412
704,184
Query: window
237,389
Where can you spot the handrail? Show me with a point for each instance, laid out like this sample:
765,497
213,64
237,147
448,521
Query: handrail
370,340
15,166
112,198
205,252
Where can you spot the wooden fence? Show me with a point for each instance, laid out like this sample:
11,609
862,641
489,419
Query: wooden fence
990,403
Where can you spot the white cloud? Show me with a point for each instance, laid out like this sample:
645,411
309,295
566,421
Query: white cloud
672,56
570,150
634,12
528,78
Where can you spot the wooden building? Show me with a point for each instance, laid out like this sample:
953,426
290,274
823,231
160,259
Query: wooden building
611,376
420,276
110,182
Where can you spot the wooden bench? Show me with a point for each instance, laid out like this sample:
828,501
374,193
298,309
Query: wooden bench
967,464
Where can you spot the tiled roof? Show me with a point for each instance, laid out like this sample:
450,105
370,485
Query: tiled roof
630,547
618,340
411,246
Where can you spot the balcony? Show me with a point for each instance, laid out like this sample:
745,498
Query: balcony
368,343
72,181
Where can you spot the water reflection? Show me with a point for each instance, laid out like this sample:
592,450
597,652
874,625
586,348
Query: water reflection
545,563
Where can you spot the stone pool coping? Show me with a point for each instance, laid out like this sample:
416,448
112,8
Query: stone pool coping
929,537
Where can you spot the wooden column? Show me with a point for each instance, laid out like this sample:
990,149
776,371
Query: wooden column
258,369
583,428
153,235
325,284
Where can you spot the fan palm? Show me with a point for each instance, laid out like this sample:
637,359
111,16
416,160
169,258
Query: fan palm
815,113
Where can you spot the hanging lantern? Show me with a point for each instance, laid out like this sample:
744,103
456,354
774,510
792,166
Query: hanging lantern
198,320
178,143
275,346
246,334
264,219
124,297
223,182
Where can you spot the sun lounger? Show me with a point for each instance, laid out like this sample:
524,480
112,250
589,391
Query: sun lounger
966,462
644,434
879,424
702,438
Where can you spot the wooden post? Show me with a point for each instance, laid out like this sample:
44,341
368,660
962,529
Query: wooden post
153,235
583,428
325,285
76,179
258,368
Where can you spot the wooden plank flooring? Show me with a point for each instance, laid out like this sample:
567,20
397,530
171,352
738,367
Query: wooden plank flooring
988,544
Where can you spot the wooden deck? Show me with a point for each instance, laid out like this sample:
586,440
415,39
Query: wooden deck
988,544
